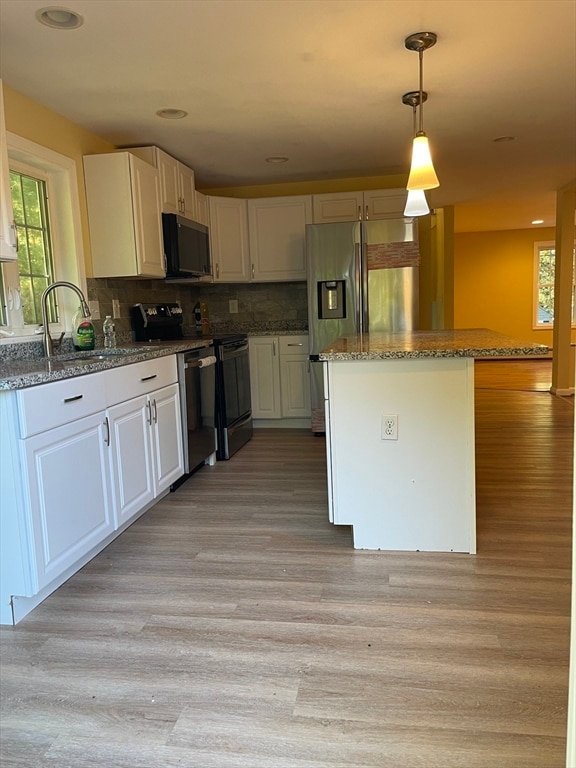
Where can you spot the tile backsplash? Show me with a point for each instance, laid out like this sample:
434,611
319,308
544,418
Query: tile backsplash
261,306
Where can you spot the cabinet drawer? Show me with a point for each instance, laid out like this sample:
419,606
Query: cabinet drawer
293,345
140,378
52,405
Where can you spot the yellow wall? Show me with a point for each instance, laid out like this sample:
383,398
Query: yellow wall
34,122
494,281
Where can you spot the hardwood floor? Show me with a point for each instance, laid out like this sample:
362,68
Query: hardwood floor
233,627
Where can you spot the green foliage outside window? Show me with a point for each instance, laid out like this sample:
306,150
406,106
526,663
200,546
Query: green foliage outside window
34,249
546,260
546,267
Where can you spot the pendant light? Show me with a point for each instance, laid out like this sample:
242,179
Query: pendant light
416,203
422,173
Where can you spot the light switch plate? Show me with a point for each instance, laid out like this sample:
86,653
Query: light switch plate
233,306
115,308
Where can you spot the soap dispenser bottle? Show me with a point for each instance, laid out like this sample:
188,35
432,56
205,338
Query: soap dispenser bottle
83,334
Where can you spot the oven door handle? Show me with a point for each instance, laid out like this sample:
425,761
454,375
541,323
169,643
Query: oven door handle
201,362
227,354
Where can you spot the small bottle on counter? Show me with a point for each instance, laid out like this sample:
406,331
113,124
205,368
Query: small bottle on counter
109,333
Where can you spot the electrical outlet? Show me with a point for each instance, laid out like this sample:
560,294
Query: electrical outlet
233,306
94,307
115,308
389,426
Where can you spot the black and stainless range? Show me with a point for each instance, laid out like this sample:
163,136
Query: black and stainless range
233,407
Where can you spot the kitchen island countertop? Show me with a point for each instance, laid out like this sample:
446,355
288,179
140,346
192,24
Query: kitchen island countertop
470,342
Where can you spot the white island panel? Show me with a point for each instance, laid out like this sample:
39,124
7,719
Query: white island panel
416,492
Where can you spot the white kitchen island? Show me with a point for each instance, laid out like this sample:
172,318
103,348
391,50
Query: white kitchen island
400,435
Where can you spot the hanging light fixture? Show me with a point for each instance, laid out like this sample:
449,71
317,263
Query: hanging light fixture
416,203
422,173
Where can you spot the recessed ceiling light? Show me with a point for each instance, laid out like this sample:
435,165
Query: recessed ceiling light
277,159
59,18
501,139
171,114
538,221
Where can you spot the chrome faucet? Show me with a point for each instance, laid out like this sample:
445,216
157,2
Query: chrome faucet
47,339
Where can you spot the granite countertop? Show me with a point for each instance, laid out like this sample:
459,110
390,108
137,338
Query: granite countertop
18,374
473,342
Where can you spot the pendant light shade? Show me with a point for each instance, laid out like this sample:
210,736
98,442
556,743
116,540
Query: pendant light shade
422,173
416,203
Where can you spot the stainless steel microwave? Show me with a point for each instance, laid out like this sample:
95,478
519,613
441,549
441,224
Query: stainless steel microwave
186,246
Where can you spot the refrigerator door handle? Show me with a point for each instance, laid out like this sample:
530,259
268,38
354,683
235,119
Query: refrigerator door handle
358,286
363,303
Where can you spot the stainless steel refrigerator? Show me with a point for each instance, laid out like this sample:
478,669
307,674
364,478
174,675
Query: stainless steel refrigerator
362,278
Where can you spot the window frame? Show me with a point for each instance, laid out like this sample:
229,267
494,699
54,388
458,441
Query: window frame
61,177
549,245
40,175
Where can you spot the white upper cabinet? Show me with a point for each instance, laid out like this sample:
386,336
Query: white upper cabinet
8,240
277,227
177,185
123,196
202,213
338,206
187,192
384,203
359,206
229,239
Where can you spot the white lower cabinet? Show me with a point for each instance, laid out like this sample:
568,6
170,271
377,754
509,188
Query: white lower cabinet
280,377
145,456
81,457
69,491
265,377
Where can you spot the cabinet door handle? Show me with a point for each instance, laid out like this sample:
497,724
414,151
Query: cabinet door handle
274,348
155,407
366,217
107,425
294,344
149,409
217,271
252,271
359,213
72,399
149,378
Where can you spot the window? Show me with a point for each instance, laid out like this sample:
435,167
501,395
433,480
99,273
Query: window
35,270
44,187
545,257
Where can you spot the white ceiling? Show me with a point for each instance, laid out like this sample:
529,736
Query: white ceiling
321,81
